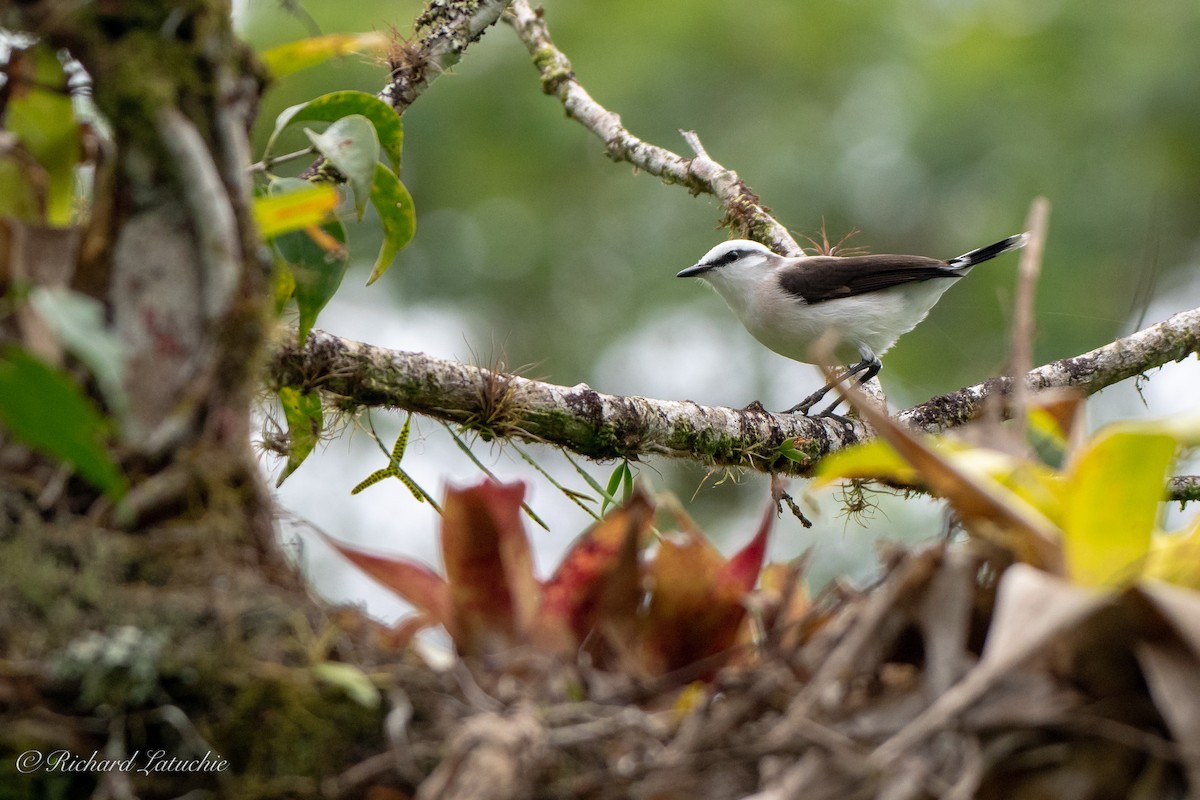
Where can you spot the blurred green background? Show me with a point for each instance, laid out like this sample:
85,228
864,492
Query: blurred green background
928,125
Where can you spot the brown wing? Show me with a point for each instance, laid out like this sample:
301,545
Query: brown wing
822,278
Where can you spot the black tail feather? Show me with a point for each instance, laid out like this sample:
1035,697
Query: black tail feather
968,260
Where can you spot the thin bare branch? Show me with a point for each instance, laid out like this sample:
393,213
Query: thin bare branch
744,212
1028,272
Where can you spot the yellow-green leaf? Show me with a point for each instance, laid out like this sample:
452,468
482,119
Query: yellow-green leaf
40,115
874,459
293,211
292,57
1111,503
396,212
302,410
1175,557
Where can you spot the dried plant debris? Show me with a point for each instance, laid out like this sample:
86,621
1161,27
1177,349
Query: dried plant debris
962,673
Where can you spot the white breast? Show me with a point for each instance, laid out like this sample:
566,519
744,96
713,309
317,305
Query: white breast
791,327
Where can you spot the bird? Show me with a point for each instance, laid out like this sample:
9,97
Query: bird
867,301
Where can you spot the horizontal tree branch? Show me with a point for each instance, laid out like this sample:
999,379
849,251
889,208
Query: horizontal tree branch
1171,340
578,418
700,174
601,426
1184,488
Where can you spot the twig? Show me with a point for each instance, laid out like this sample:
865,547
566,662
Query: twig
1184,488
744,212
267,163
1023,323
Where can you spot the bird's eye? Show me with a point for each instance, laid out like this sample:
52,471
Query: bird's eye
731,256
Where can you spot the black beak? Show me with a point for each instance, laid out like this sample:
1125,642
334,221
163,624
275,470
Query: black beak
693,271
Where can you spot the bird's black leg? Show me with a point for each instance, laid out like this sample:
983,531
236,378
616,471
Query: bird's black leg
866,369
805,405
869,367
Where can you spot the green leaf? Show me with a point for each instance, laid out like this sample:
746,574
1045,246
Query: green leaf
46,410
78,321
393,468
351,145
397,214
1112,502
619,475
334,106
317,265
292,57
283,286
305,420
40,114
627,484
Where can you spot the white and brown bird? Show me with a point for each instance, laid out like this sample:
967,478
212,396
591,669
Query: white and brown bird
868,302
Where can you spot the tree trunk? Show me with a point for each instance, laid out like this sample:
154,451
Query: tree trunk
169,620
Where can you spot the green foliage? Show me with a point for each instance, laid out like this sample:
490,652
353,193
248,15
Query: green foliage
1098,515
394,470
397,214
285,59
46,410
305,421
351,146
620,481
336,105
293,206
78,322
37,169
361,129
316,258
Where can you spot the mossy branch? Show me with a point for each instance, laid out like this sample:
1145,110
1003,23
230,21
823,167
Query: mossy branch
600,426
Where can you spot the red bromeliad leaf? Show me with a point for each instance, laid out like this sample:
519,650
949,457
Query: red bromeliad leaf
738,575
401,635
494,595
414,582
697,598
678,627
597,585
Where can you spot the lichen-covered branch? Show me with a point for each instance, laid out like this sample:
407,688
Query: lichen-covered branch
1184,488
601,426
744,212
1171,340
577,418
443,31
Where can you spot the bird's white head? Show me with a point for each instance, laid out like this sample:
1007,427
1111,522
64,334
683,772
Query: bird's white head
737,257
